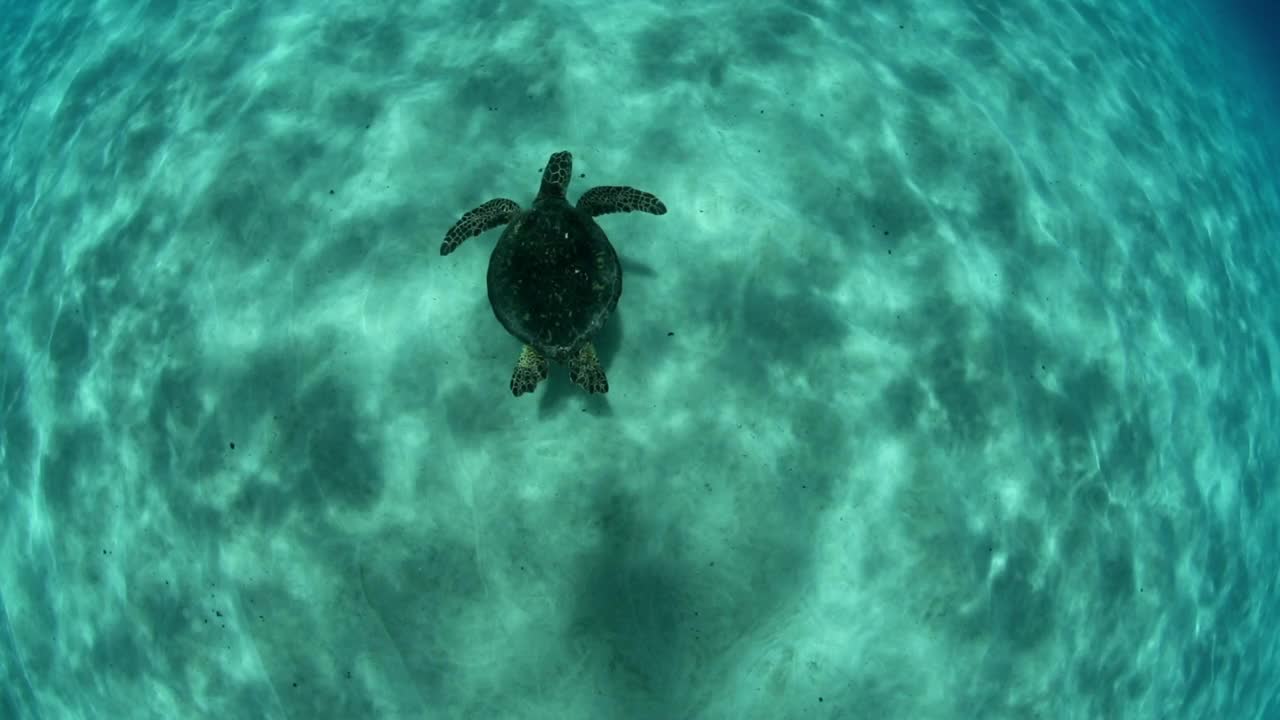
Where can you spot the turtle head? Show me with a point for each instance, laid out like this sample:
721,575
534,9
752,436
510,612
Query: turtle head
555,179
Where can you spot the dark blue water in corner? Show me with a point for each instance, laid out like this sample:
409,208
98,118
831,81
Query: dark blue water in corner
1256,23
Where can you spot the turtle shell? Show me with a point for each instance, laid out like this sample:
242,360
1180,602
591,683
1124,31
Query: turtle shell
554,279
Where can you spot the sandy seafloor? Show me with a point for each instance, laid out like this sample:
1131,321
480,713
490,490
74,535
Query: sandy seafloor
946,388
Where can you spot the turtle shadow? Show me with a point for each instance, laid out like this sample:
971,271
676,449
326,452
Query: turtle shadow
635,268
560,390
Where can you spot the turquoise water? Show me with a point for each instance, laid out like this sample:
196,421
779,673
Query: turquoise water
946,388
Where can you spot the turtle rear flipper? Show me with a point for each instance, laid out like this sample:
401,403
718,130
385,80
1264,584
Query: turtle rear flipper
585,370
613,198
531,369
498,211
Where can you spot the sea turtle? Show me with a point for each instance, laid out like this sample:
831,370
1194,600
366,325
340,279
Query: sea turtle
554,279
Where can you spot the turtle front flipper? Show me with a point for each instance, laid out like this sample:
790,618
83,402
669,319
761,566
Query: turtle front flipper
585,370
531,369
498,211
612,199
